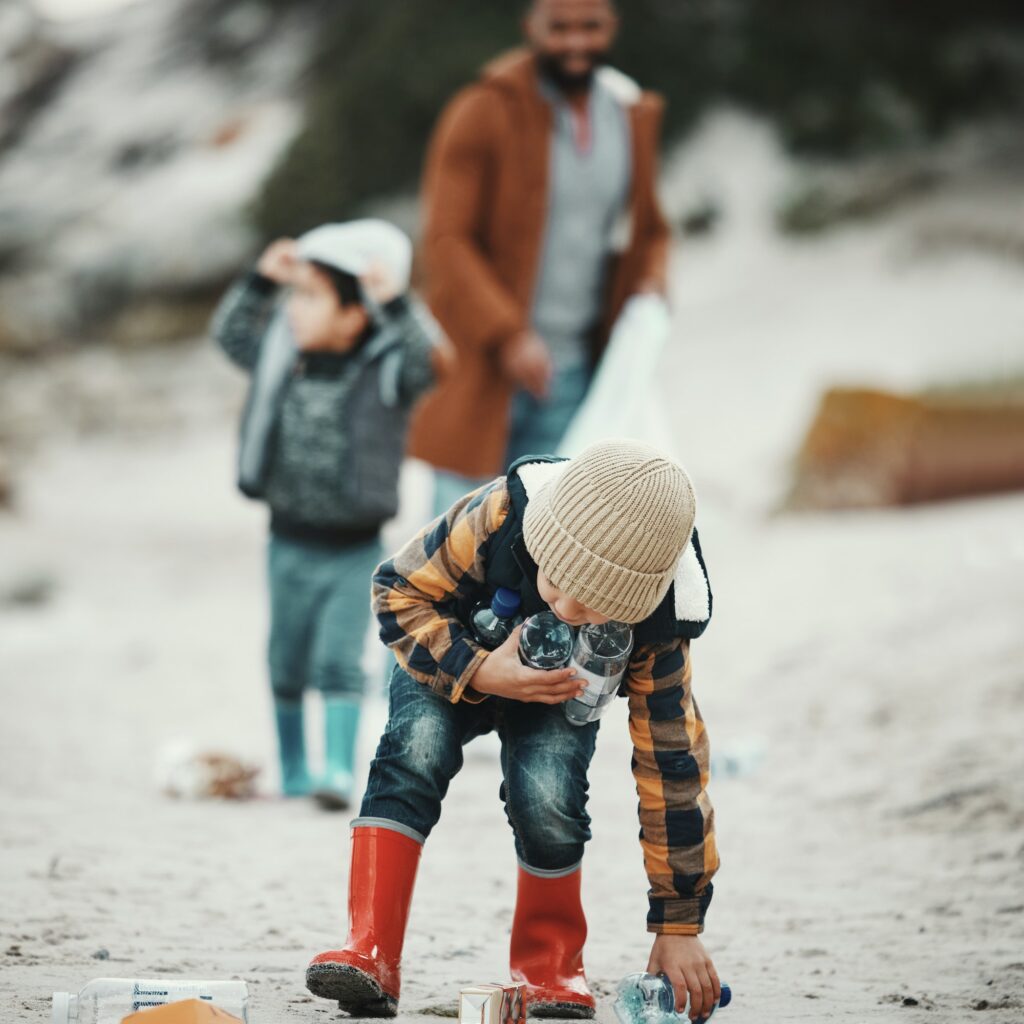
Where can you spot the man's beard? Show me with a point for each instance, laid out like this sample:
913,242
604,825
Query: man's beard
551,68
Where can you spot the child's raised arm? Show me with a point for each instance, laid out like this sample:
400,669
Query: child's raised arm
241,316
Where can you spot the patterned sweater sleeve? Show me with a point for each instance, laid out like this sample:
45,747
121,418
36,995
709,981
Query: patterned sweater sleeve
415,593
670,765
241,317
420,337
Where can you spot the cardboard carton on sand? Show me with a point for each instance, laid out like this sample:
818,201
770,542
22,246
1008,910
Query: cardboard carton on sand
492,1004
187,1011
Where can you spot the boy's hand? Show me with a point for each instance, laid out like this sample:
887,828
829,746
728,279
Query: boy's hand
649,286
379,283
686,963
279,260
526,362
502,674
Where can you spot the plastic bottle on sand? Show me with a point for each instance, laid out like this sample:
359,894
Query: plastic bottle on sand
650,999
110,1000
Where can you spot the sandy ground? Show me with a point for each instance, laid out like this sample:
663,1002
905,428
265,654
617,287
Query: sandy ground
873,859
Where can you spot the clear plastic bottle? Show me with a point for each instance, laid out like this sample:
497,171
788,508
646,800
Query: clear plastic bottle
110,1000
545,642
650,999
600,657
493,621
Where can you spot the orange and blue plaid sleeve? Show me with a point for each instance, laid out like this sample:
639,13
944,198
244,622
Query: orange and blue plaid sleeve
415,592
670,765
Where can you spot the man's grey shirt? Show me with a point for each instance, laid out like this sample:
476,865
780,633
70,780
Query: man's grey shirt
587,195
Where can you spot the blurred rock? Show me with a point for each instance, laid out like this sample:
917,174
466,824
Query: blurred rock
135,168
185,772
872,449
32,67
6,484
700,219
157,319
31,589
826,198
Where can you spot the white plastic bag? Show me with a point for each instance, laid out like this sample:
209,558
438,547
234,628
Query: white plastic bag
623,400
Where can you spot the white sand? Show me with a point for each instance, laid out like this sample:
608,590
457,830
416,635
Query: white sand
876,854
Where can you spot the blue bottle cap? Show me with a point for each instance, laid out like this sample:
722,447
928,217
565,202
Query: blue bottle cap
505,602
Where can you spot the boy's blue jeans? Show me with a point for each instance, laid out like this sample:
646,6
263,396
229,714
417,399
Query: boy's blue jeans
544,762
319,614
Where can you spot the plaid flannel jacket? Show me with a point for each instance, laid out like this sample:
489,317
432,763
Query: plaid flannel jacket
415,596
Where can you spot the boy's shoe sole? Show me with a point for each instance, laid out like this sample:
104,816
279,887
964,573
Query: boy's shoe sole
328,800
359,994
564,1011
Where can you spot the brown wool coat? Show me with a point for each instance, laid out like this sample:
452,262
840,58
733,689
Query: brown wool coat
484,201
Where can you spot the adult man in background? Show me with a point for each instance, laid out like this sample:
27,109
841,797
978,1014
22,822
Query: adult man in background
541,219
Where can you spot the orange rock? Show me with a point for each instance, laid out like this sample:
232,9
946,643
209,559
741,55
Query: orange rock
871,448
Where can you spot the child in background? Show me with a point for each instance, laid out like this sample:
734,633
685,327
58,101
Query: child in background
605,536
338,354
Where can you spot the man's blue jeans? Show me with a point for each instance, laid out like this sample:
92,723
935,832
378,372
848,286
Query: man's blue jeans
544,763
536,427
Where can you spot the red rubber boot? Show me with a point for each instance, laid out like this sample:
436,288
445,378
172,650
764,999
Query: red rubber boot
546,955
364,976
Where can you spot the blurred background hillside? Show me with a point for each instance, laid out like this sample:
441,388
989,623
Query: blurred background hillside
146,149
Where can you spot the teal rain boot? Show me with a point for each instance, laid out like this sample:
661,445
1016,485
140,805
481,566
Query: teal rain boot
333,792
291,743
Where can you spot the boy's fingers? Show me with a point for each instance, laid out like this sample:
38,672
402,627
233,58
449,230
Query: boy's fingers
696,990
715,983
570,689
707,990
679,986
551,697
558,692
546,678
558,675
562,691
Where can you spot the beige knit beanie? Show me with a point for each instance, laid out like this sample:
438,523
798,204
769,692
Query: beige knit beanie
610,528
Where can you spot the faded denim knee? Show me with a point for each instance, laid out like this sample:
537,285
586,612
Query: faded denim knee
418,756
545,793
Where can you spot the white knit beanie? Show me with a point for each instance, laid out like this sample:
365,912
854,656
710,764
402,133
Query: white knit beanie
355,245
610,528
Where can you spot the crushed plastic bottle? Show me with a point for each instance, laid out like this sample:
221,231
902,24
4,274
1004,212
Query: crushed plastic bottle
650,999
600,657
545,642
493,621
110,1000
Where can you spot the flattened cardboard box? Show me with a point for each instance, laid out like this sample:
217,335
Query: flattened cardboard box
492,1004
